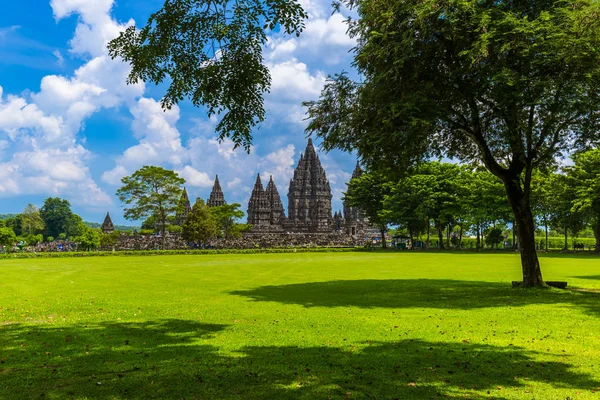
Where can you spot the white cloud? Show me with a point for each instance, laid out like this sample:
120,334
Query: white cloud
59,58
234,183
159,140
193,177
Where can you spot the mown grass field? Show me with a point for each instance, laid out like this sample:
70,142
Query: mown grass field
298,326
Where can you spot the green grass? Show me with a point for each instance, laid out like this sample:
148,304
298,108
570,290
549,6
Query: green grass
286,326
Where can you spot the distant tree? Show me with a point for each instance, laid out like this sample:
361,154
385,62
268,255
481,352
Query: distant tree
109,239
149,223
585,175
485,201
368,194
542,199
58,217
200,224
151,191
31,220
227,216
15,223
33,240
510,84
7,237
562,204
494,237
89,239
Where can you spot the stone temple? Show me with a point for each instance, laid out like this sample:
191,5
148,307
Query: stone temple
308,208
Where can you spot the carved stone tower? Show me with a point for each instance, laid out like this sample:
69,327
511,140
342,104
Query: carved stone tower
217,198
259,208
309,196
184,208
277,216
107,225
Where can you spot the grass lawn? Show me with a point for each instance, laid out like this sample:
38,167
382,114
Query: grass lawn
306,326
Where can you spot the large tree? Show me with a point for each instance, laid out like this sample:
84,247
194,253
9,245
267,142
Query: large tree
509,84
211,53
151,191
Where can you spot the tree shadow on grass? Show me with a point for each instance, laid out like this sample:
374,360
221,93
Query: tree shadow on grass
417,293
170,359
592,277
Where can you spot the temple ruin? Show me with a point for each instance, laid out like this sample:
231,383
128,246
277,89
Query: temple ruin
308,208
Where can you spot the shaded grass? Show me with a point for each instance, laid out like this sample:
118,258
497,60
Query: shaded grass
351,325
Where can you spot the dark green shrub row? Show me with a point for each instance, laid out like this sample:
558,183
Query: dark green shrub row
72,254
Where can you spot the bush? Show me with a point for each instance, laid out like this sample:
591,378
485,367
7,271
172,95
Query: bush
49,239
71,254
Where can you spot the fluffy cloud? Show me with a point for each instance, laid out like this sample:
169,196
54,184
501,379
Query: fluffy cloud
159,140
193,177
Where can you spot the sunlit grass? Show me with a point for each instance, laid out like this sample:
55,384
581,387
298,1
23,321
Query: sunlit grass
340,325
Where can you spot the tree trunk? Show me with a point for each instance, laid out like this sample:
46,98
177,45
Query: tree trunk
440,230
460,235
448,236
428,227
566,239
383,242
478,245
519,202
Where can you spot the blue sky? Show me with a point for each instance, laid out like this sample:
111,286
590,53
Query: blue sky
71,127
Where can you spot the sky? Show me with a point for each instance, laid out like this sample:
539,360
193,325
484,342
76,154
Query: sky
71,127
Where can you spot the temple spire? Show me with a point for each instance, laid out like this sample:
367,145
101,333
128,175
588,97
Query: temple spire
259,207
217,198
107,225
184,208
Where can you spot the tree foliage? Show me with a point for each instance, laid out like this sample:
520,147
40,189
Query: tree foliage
151,191
211,54
89,239
227,217
7,237
585,175
368,192
506,84
200,225
59,219
31,220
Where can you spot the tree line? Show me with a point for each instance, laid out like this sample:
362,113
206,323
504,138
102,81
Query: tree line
151,194
454,200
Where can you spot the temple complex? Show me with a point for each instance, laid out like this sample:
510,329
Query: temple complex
309,205
107,225
216,198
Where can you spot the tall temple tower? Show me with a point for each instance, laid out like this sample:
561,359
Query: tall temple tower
277,216
217,198
309,196
184,208
259,208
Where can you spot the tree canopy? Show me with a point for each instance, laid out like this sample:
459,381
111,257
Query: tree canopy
506,84
211,54
151,191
